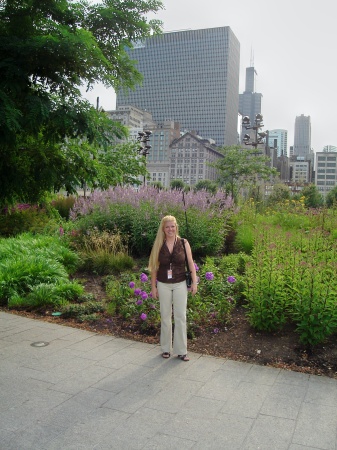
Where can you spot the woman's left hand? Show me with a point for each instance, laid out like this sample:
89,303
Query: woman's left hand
193,289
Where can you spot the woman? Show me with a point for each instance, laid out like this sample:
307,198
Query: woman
168,282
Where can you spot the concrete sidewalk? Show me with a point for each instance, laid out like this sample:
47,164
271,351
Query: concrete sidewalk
90,391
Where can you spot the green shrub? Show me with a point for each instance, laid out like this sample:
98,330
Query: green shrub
27,262
76,310
216,297
63,205
131,299
19,220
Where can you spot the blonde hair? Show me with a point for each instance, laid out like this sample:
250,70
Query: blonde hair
159,241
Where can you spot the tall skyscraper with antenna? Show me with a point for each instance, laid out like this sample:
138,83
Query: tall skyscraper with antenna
250,102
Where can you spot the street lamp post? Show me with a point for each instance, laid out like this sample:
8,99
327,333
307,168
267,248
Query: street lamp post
256,126
144,147
258,138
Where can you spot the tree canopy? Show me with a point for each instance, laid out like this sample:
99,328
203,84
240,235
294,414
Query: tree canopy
240,167
49,49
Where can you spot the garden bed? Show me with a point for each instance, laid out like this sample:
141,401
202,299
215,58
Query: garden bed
238,341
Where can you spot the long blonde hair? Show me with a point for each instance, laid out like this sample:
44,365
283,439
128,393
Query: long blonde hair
159,241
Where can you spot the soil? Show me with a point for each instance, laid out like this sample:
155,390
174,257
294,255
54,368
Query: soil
238,341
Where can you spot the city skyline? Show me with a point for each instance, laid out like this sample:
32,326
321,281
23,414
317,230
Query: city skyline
290,48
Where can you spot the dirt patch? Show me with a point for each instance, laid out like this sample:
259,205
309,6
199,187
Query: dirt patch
238,341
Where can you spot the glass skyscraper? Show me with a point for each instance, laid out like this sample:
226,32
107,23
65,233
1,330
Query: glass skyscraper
190,77
281,138
302,138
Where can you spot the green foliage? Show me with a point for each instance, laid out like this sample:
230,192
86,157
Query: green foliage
280,193
208,185
24,218
49,50
104,263
240,168
217,292
265,287
102,252
32,265
133,301
88,317
63,205
118,290
157,184
177,184
83,311
291,279
45,295
244,238
331,198
140,224
312,197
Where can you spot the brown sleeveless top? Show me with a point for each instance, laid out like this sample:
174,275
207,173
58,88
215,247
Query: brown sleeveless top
176,258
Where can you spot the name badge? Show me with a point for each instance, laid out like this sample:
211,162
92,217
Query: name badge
169,274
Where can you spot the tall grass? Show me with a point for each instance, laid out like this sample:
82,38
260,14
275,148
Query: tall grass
103,252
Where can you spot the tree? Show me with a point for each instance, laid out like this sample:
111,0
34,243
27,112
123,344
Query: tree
241,168
312,197
177,184
48,50
208,185
279,194
331,198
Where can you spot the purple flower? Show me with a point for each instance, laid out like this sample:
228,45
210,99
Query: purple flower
152,306
144,295
143,278
143,316
131,284
209,276
216,330
137,291
196,267
139,302
231,279
61,231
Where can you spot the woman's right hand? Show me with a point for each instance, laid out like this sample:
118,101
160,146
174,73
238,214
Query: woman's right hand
154,293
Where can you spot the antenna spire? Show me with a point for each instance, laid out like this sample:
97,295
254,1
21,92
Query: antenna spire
251,57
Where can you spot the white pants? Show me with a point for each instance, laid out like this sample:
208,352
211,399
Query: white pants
176,294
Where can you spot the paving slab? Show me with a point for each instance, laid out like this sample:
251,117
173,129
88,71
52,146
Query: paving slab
86,391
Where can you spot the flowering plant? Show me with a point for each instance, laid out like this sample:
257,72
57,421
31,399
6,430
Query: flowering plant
140,306
215,298
138,213
218,288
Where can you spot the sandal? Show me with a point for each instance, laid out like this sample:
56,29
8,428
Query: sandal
184,357
166,355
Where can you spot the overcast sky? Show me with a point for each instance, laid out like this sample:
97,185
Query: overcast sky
293,44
